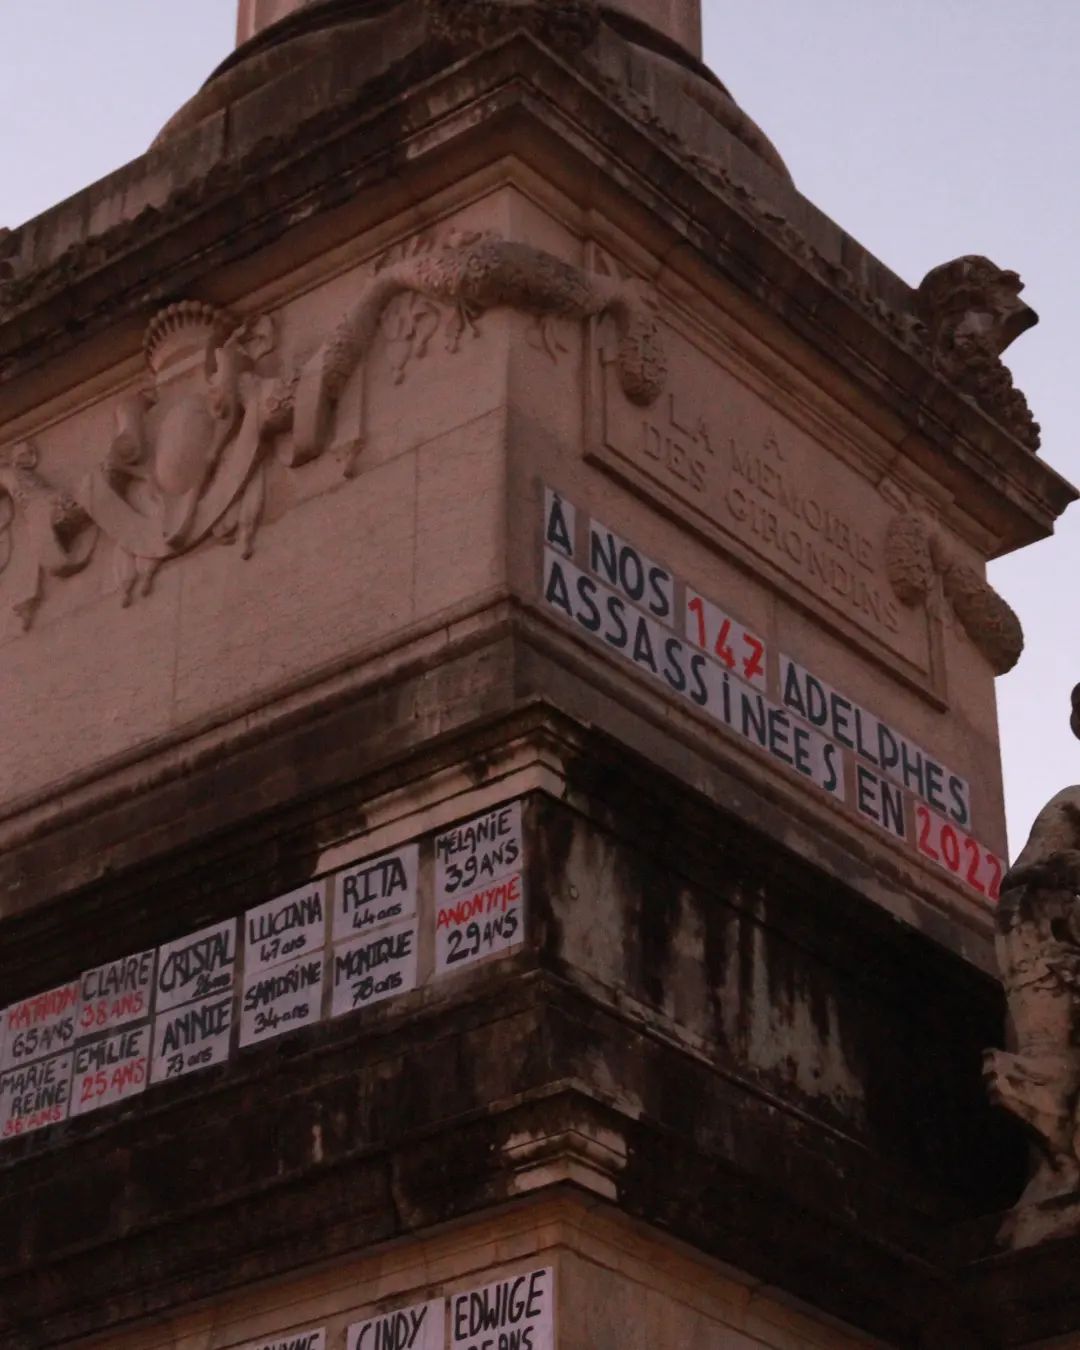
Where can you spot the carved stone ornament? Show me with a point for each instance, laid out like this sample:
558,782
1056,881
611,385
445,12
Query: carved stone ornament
563,24
188,459
1038,1079
916,558
972,311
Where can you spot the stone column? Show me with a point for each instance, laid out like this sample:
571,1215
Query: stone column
679,19
254,15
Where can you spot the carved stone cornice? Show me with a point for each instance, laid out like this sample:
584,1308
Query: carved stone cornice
236,187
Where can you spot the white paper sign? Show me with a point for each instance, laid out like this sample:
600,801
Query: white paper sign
421,1327
196,967
295,1340
192,1037
377,891
110,1070
478,851
35,1095
40,1026
283,999
285,928
373,968
480,889
479,924
517,1313
116,993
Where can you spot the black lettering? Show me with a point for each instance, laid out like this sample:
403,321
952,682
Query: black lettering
780,735
959,811
558,532
935,784
643,652
753,718
831,755
631,573
699,690
860,744
803,762
817,704
888,750
867,792
557,592
892,810
603,559
912,768
673,671
616,609
662,589
590,620
793,698
841,711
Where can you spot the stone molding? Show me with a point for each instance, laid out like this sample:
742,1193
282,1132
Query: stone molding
91,261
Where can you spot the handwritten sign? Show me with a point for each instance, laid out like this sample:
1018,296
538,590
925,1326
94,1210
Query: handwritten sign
874,741
285,928
296,1340
111,1070
623,602
40,1026
35,1095
479,888
159,1015
195,1036
196,967
421,1327
517,1313
370,969
374,892
956,852
688,672
711,630
116,993
283,999
631,573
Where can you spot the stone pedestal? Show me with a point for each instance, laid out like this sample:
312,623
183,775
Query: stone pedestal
500,812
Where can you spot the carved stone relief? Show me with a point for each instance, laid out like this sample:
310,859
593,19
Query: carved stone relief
59,535
972,311
917,558
189,455
768,481
1038,1078
472,274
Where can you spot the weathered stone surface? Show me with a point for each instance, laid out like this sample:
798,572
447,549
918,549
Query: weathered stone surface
1037,1079
381,291
681,992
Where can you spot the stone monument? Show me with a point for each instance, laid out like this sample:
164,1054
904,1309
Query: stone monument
501,823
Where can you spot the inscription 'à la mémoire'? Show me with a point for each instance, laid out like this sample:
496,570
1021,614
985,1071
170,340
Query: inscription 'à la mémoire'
763,485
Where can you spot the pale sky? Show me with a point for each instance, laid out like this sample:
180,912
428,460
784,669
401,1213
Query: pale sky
926,128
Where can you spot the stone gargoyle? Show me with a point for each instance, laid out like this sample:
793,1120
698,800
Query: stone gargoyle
1038,949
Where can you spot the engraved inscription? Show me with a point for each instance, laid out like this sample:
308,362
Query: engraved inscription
764,488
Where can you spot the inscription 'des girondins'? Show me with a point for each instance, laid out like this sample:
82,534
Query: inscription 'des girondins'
766,483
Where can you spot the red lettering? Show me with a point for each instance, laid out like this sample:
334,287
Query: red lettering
755,663
994,889
697,606
974,859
